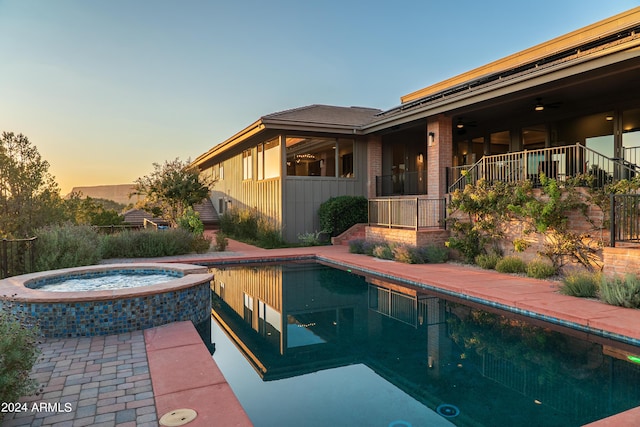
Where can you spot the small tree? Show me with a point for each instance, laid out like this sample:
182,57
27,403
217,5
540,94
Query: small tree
29,195
170,189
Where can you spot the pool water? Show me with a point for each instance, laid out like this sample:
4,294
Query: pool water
306,344
105,282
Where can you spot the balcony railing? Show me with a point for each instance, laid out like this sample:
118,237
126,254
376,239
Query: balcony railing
407,212
405,183
16,257
625,218
557,162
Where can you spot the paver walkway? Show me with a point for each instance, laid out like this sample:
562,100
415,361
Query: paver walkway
98,381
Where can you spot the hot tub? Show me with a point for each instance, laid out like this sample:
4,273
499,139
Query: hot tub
185,295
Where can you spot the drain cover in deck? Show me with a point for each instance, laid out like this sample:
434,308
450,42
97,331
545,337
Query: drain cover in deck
178,417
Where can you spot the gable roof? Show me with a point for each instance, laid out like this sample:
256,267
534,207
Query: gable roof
325,114
311,118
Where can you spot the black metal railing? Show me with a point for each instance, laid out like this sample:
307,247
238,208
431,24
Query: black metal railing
398,184
17,256
407,212
559,163
625,218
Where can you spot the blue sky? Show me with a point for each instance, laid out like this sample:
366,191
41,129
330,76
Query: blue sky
106,88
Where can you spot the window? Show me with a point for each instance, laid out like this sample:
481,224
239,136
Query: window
269,159
221,174
247,164
322,157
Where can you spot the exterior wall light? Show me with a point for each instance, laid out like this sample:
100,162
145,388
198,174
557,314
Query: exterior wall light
432,138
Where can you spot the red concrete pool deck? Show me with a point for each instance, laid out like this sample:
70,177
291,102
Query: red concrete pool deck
184,376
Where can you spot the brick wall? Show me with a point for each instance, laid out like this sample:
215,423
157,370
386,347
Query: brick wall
621,261
374,163
407,237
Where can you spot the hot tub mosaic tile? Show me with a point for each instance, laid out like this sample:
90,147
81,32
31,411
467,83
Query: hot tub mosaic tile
89,318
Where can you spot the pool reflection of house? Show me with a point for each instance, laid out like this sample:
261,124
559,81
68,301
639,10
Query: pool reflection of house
290,321
565,107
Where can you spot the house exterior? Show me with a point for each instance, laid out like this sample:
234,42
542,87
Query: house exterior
567,106
285,164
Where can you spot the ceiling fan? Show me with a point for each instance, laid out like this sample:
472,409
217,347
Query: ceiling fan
462,125
540,106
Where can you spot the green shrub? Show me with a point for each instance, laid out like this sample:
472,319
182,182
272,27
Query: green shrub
403,253
622,292
383,251
200,243
18,353
511,264
432,254
338,214
190,221
241,224
583,285
311,239
467,240
148,243
540,270
269,236
356,246
488,261
221,241
63,246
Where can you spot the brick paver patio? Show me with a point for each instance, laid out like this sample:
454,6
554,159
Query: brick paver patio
98,381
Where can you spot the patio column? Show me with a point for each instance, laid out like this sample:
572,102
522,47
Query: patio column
374,163
439,154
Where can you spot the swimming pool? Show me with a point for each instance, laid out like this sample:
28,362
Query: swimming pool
323,346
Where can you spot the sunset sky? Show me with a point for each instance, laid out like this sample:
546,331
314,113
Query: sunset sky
106,88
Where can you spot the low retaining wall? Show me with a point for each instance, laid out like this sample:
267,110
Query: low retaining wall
408,237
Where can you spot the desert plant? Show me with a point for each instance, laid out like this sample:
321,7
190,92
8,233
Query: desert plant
511,264
383,251
488,261
311,239
622,292
63,246
539,269
404,253
356,246
18,353
221,241
581,284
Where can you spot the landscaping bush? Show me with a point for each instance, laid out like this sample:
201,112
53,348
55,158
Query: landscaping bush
200,243
63,246
18,353
241,224
190,221
356,246
540,270
488,261
221,241
148,243
580,285
268,236
511,264
403,253
311,239
432,254
383,251
338,214
622,292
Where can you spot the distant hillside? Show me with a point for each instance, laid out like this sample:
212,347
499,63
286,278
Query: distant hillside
118,193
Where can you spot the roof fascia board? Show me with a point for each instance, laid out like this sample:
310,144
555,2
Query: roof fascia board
287,125
573,39
506,87
251,130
